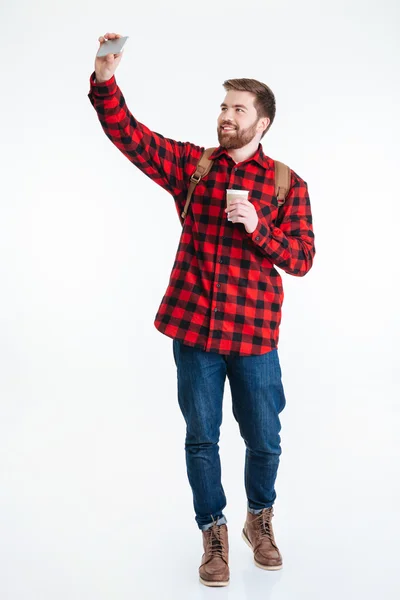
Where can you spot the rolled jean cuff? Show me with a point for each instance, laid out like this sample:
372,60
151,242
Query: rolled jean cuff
256,511
221,521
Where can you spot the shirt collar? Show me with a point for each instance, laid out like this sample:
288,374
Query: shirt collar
259,156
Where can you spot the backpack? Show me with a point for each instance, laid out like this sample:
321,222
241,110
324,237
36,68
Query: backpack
282,179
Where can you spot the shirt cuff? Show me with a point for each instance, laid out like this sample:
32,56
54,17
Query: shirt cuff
105,88
261,235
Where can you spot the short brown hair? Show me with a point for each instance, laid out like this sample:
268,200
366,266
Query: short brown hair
264,101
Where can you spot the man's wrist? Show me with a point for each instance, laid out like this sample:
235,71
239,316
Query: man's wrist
252,228
97,80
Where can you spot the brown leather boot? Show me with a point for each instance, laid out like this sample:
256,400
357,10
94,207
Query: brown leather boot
214,568
258,534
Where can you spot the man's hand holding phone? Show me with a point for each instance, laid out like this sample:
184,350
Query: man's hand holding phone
108,56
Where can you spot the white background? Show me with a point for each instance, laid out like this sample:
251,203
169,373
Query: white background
94,499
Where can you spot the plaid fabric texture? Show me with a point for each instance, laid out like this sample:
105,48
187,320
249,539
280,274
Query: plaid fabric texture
224,294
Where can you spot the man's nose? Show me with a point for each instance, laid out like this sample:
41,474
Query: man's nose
227,119
228,115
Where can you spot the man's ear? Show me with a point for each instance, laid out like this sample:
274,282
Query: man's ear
263,124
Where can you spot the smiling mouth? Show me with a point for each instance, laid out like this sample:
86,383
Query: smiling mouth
225,129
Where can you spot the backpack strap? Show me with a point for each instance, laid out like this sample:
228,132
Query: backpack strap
202,169
282,181
282,178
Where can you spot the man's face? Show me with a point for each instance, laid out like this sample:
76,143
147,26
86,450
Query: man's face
238,123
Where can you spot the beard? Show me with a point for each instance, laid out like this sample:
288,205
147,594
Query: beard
233,140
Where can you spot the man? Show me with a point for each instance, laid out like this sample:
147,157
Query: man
222,307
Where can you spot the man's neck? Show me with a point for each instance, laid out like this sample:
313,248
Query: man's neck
244,153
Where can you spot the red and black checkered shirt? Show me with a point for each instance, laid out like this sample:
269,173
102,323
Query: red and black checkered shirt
224,294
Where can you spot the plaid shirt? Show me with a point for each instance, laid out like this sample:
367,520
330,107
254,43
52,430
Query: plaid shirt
224,294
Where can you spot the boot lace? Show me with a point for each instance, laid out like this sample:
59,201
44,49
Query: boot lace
264,524
215,542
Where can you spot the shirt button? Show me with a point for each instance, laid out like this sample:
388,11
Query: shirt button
257,238
215,309
221,260
218,285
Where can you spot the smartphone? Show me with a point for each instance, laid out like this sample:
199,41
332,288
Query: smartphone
112,46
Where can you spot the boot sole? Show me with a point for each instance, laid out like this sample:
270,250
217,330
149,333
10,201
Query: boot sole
214,583
272,568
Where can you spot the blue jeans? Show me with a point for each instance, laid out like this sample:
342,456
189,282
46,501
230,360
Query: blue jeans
257,399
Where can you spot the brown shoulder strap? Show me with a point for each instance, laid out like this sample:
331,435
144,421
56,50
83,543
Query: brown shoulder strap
282,181
203,168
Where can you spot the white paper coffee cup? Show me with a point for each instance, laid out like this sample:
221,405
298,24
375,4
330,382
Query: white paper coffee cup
234,194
